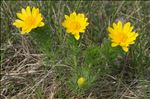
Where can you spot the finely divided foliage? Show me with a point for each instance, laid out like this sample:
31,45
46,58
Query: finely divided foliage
76,23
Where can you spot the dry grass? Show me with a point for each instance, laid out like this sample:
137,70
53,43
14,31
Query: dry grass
23,71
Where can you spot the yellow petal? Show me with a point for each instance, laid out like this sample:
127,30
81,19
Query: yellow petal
81,15
136,34
131,28
86,19
87,23
77,36
66,16
110,35
68,31
28,30
125,49
73,15
34,12
110,30
20,16
126,27
114,26
41,24
23,11
39,17
114,44
37,11
28,11
123,44
132,36
18,23
119,26
82,31
131,42
23,32
64,24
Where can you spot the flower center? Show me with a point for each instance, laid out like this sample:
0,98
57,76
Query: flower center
121,37
75,25
30,21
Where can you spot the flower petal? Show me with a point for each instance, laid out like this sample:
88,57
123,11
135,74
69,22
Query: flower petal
41,24
66,16
18,23
23,11
125,49
119,25
28,11
77,36
21,16
114,26
114,44
126,27
110,30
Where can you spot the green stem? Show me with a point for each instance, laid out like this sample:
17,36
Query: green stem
77,5
75,61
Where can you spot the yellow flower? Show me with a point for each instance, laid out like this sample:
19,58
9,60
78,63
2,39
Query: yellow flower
122,35
81,81
75,23
28,19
